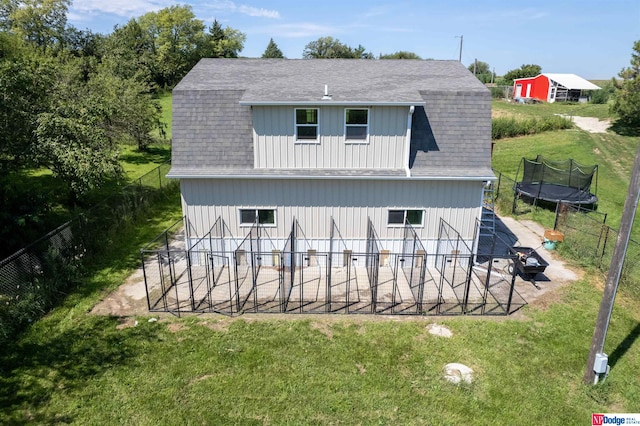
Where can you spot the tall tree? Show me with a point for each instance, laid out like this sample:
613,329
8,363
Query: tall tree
6,9
328,47
222,42
41,22
25,80
130,52
272,50
72,135
482,71
627,97
479,67
177,36
401,54
530,70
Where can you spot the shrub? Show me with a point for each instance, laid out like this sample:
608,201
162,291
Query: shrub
602,96
508,127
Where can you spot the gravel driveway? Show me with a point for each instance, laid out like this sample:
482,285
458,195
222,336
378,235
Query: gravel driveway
591,124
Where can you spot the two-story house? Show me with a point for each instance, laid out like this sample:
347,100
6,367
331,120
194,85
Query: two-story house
270,140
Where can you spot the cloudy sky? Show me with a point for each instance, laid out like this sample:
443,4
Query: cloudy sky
591,38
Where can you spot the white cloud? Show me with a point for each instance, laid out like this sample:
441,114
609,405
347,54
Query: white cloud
125,8
84,9
260,12
232,7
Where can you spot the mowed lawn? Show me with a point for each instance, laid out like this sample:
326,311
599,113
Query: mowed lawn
78,368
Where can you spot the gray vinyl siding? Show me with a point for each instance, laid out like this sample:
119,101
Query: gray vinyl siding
275,146
350,202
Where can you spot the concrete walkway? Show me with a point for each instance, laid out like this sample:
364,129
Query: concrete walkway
528,233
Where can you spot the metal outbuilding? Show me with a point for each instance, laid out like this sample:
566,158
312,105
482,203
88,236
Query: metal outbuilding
552,87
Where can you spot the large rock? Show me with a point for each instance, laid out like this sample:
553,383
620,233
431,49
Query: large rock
457,373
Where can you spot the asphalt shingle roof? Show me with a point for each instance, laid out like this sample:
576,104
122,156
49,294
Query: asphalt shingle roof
212,127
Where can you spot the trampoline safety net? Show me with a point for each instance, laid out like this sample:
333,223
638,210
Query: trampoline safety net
557,180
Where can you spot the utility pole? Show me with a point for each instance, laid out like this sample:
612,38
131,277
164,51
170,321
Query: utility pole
460,55
613,277
475,66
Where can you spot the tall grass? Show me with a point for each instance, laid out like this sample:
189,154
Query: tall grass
508,127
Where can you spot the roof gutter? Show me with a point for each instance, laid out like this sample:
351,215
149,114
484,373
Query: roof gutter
407,147
290,177
329,103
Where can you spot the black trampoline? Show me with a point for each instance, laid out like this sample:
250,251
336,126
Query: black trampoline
555,181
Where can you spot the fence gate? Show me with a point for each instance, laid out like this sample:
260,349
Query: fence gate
455,278
219,285
168,281
403,291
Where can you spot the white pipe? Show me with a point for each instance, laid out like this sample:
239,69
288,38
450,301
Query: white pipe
407,148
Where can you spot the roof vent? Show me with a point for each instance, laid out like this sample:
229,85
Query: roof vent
326,92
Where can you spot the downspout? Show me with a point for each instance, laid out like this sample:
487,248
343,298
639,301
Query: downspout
407,148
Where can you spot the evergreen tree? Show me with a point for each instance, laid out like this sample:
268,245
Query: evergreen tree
627,97
222,42
272,50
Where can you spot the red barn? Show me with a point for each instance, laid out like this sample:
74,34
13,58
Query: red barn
549,87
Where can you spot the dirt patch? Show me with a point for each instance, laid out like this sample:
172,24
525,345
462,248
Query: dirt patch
175,327
201,378
323,328
219,326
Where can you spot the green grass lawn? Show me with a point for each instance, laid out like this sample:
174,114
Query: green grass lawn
503,108
165,103
73,367
614,155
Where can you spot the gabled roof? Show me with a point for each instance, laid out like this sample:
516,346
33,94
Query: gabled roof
212,119
569,81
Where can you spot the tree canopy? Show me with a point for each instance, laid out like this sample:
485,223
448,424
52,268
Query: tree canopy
627,96
328,47
530,70
69,100
482,71
401,54
222,42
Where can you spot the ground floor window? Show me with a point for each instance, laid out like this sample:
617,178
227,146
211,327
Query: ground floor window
265,217
400,217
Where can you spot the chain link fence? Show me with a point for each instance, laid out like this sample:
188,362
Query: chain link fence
39,276
587,237
590,241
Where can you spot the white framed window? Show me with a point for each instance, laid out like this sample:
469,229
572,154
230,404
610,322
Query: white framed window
356,125
307,125
264,217
400,217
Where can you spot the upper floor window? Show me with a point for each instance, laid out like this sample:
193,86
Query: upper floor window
264,217
400,217
356,125
307,124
